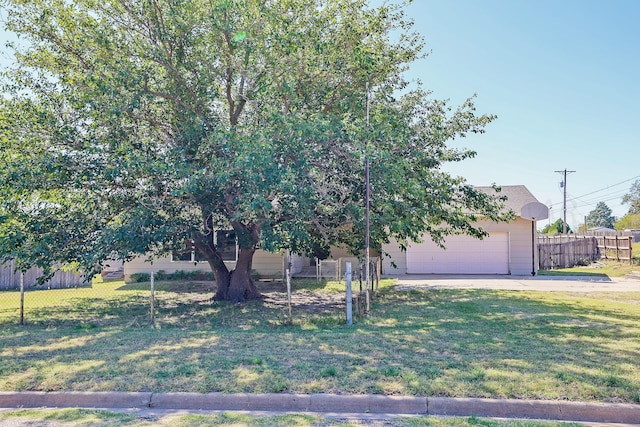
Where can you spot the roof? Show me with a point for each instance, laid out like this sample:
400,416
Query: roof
520,200
602,230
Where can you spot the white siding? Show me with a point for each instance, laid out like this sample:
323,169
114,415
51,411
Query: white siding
462,255
519,248
265,263
269,264
393,255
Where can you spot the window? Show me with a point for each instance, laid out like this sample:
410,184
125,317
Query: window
181,256
225,241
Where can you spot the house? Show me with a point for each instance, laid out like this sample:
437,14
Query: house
510,248
601,230
266,264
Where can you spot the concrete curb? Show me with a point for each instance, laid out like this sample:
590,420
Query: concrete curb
353,404
538,409
72,399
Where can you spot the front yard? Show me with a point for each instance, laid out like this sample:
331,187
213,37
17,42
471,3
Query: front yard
456,343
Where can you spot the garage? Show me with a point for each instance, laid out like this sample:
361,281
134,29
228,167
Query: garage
463,255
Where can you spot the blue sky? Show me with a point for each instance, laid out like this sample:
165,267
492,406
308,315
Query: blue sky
563,77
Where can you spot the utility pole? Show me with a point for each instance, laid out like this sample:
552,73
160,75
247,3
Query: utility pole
564,203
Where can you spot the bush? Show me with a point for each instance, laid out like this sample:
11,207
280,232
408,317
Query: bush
178,275
181,275
140,277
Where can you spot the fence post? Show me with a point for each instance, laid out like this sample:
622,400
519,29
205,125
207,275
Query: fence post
368,301
349,295
152,299
22,298
289,296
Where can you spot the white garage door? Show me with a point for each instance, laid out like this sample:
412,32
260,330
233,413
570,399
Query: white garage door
464,255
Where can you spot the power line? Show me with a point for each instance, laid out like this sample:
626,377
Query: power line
612,185
595,201
599,190
603,189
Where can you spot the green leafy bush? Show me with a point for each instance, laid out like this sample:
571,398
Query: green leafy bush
177,275
140,277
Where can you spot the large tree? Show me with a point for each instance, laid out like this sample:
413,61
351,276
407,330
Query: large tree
600,216
131,127
632,198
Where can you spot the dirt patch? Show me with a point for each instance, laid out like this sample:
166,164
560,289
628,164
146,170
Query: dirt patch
275,294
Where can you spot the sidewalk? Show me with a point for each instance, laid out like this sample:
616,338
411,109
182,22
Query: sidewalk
619,413
519,283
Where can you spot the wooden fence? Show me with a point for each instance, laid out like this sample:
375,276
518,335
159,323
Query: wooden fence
616,247
566,251
570,250
9,279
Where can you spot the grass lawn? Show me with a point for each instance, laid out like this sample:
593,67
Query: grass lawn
603,268
599,269
456,343
84,417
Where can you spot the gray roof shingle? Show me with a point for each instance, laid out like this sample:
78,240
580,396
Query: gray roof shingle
517,196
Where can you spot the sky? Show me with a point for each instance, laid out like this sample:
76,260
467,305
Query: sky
563,77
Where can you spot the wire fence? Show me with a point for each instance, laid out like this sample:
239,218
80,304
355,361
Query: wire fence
163,304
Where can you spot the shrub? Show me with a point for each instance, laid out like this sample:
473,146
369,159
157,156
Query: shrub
177,275
140,277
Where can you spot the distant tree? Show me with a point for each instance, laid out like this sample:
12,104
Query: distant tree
555,228
628,222
601,216
633,198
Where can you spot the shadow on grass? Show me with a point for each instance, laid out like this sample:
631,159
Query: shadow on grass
462,343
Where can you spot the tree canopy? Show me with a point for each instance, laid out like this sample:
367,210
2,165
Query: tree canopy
555,228
628,222
632,198
129,127
600,216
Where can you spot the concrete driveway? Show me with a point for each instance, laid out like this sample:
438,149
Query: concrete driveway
520,283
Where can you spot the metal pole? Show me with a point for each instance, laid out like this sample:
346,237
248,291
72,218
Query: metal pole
349,296
533,246
289,296
153,290
22,298
367,229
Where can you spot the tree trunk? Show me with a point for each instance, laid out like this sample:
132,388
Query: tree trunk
236,285
241,286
